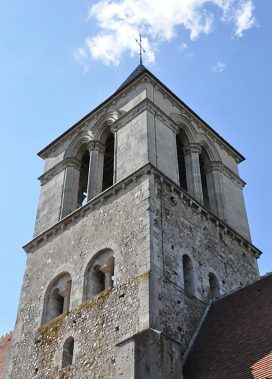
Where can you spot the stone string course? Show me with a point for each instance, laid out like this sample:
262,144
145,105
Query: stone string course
121,186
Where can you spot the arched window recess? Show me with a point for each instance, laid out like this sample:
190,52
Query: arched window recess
213,286
57,297
99,274
188,275
68,352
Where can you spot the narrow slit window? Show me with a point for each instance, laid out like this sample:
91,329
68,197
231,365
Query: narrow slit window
214,286
68,352
188,275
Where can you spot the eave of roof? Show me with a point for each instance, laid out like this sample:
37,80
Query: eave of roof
135,75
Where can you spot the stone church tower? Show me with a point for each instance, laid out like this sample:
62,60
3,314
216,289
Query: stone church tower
141,223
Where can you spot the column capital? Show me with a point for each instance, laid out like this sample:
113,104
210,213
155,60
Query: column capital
213,166
192,148
114,128
72,162
96,146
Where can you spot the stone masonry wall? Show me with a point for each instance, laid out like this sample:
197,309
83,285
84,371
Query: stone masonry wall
178,227
121,223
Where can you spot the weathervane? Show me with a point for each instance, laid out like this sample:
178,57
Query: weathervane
141,49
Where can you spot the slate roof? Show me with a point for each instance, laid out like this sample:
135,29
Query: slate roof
235,340
137,72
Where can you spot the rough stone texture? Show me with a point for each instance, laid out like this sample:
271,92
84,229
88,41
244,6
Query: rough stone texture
142,326
178,229
148,226
103,321
5,342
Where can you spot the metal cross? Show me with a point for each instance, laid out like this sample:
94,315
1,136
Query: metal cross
141,49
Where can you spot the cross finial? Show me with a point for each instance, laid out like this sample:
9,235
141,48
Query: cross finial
141,49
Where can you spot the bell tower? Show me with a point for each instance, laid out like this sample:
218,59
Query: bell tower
141,223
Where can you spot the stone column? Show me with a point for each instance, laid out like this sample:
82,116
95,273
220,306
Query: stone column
194,186
95,177
114,130
66,293
108,270
214,182
70,186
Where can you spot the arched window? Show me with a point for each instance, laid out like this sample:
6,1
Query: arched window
83,179
214,286
108,168
203,161
99,274
181,161
57,297
68,352
188,275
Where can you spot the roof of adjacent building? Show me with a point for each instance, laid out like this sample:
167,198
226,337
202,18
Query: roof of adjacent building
138,72
5,342
235,340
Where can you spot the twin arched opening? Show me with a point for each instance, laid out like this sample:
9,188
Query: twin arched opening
57,297
98,276
89,171
193,162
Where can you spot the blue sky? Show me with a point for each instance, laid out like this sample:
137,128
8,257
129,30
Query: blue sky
60,59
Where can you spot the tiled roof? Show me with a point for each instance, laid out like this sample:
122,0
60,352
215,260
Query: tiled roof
235,340
5,342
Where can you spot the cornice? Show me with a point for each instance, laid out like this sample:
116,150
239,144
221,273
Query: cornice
100,111
219,166
67,162
192,117
121,186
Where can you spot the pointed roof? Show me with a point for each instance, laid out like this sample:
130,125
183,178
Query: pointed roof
138,70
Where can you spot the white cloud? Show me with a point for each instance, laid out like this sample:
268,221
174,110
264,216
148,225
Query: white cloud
244,18
120,22
219,67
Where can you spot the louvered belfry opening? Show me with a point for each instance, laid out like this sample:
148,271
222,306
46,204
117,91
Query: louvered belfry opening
108,163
